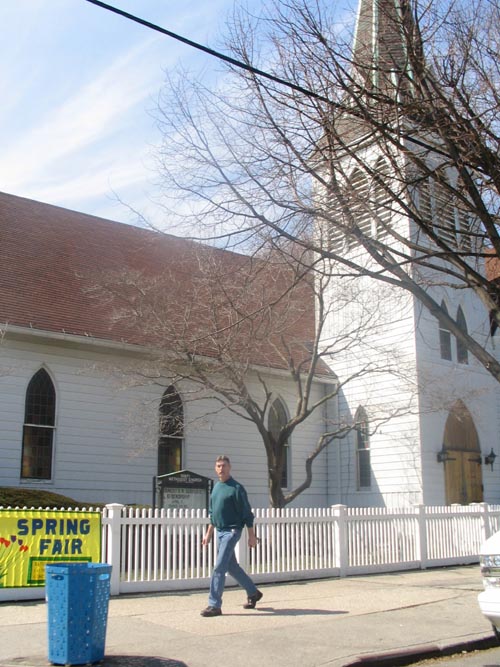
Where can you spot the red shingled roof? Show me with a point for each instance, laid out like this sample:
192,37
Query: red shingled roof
59,268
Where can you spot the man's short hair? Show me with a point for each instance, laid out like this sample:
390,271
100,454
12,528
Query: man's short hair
223,457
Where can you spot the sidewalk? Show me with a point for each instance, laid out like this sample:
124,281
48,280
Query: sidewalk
377,619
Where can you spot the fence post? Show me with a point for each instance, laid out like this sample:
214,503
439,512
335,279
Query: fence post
486,523
421,537
241,551
341,548
114,544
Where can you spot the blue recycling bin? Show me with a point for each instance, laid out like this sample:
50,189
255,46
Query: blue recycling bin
77,599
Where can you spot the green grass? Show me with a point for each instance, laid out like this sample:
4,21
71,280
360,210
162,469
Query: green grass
20,497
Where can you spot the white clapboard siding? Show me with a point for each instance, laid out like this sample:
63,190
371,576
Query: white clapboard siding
106,433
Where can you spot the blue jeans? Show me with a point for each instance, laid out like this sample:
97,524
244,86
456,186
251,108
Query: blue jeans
226,563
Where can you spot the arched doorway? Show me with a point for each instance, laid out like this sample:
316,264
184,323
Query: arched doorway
462,464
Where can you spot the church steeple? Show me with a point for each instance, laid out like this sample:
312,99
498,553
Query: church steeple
385,45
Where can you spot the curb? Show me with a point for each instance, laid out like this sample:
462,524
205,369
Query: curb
409,656
107,661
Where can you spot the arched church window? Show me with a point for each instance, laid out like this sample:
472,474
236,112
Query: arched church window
465,230
39,427
381,199
444,210
420,191
336,225
444,337
462,352
277,420
363,462
424,200
171,432
466,225
359,196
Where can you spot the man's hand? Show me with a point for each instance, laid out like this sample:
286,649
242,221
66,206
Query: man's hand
207,538
253,540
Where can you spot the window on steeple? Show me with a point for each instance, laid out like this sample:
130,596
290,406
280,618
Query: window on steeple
369,207
444,211
466,220
462,352
444,337
360,207
425,201
437,210
382,200
465,230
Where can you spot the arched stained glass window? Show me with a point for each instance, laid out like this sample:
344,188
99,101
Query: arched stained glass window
171,432
363,462
278,418
39,427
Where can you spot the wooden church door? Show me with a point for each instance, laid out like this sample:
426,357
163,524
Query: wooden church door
462,467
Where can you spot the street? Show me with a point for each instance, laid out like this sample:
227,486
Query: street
487,658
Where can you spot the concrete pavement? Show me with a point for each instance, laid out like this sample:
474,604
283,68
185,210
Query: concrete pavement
366,620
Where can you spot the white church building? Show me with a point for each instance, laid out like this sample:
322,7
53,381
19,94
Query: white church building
73,422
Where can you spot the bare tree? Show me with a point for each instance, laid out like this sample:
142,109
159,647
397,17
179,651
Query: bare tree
230,328
381,157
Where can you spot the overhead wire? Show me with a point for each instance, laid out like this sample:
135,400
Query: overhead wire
212,52
242,65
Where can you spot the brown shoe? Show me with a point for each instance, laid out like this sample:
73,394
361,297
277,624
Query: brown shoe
252,600
212,611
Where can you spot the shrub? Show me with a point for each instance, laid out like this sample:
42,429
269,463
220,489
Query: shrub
21,497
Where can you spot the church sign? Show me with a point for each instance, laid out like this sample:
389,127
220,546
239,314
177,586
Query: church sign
183,490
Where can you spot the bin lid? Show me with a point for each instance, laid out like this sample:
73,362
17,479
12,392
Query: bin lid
78,568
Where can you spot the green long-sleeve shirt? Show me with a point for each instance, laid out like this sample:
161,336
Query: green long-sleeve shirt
229,506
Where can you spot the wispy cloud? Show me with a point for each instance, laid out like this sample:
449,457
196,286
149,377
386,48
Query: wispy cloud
93,113
75,126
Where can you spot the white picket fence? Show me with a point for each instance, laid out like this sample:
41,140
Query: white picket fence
158,550
161,550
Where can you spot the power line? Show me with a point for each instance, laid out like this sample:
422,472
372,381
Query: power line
242,65
206,49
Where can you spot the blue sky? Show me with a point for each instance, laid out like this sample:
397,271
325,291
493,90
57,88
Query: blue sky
79,87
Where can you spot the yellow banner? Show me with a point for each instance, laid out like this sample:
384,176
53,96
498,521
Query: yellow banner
32,539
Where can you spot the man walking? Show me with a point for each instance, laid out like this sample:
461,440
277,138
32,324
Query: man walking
229,512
